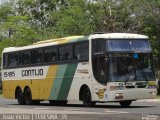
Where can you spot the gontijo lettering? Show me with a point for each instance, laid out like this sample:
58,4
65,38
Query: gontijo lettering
32,72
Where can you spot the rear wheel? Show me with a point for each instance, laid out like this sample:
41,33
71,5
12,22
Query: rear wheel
20,97
86,98
125,104
28,97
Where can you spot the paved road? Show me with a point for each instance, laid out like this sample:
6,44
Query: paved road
139,110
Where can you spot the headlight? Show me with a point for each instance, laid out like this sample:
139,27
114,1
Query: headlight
119,96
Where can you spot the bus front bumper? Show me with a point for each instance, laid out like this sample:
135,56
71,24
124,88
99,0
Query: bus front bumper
131,94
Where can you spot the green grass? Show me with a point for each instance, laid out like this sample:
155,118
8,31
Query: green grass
0,92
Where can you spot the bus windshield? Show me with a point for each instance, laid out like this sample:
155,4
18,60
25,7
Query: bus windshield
121,45
131,67
128,45
122,60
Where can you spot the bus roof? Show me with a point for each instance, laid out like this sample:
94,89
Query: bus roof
72,39
46,43
119,36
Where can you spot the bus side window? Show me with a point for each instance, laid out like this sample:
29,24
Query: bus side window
34,57
47,55
50,55
81,51
13,60
21,58
5,60
54,56
27,57
37,56
78,56
102,46
65,53
40,56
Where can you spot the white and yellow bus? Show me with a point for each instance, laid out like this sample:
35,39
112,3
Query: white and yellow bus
113,67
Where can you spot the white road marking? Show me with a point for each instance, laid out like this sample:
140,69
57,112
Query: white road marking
118,112
75,109
41,108
52,111
149,100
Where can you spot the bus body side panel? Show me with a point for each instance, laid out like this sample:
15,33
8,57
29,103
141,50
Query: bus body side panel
45,85
62,81
6,89
55,86
9,87
40,88
81,78
57,82
61,86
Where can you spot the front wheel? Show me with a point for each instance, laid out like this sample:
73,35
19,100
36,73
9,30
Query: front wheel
125,104
86,98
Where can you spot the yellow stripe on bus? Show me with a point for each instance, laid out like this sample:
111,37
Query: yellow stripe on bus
46,84
40,88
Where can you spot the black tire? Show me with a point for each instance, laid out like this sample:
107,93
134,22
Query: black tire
58,102
28,97
125,104
86,98
51,102
35,102
20,97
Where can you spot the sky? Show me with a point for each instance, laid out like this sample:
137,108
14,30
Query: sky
1,1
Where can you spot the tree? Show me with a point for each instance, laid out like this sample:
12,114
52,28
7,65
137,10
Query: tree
23,22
